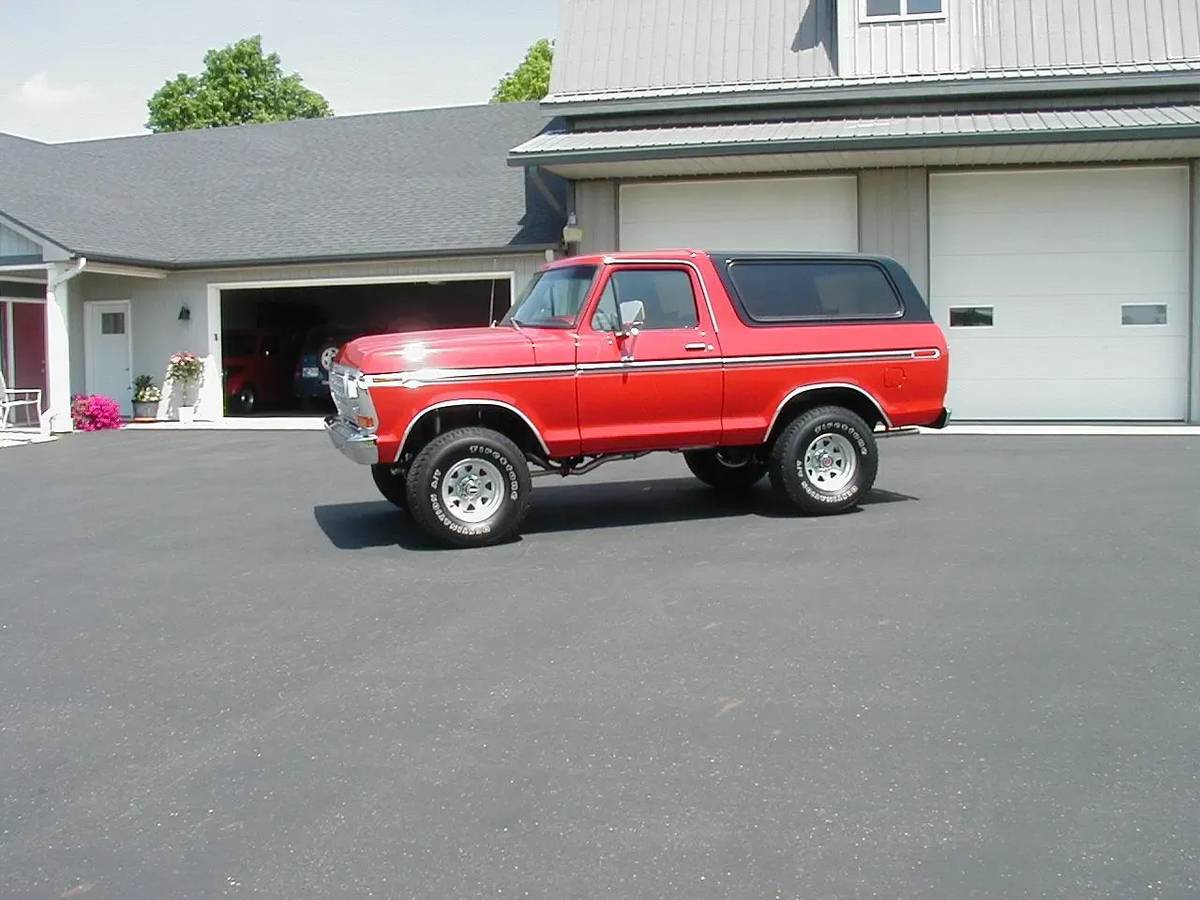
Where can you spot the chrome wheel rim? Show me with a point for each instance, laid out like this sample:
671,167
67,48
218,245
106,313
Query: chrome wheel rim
830,463
472,490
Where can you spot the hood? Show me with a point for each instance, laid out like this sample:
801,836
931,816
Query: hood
454,348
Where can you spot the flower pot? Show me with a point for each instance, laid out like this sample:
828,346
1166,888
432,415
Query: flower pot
187,415
145,412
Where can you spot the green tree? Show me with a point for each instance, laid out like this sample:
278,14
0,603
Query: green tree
531,79
239,84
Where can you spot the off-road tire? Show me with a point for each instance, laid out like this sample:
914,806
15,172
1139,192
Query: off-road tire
714,469
437,460
787,461
392,483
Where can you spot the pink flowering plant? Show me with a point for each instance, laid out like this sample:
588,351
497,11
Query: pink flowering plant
185,367
95,412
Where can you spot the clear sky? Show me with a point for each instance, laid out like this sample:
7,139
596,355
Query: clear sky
84,69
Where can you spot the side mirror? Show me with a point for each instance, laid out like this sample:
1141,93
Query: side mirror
633,314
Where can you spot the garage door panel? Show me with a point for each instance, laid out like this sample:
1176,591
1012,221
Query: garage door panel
1096,274
770,214
1031,233
1126,399
1065,358
1056,254
1085,316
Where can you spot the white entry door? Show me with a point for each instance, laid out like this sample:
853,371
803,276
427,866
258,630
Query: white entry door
1064,292
108,351
817,212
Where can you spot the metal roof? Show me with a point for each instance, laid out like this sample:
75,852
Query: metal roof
1123,123
422,182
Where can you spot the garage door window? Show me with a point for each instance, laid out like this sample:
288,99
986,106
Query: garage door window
781,291
972,316
1143,314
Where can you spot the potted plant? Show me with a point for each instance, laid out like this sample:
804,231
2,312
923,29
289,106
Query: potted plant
146,396
184,371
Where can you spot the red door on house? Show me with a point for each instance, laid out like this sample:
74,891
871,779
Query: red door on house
27,369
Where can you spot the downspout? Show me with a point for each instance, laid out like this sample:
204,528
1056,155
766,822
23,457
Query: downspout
58,347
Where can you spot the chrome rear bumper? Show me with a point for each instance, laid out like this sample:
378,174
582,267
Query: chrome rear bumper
355,444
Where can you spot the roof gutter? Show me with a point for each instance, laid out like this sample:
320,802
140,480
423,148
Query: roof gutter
866,91
900,142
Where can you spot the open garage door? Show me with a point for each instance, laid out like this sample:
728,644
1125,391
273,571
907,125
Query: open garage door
809,213
1063,292
277,342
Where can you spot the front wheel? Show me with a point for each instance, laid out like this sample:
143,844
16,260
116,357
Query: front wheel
727,468
469,487
392,484
825,461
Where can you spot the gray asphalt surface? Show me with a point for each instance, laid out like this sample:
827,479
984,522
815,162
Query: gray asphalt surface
228,669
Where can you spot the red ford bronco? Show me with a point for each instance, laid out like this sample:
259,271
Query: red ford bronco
750,364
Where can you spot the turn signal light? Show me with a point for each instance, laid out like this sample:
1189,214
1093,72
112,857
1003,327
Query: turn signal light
364,421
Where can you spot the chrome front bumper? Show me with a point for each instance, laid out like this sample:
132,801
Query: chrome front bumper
355,444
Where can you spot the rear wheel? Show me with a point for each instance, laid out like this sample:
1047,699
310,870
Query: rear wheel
469,487
392,484
825,461
727,468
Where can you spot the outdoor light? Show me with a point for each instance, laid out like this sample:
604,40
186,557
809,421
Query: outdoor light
185,314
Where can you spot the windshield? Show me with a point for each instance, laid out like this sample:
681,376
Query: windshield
554,298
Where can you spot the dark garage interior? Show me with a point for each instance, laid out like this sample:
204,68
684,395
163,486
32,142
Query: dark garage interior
277,343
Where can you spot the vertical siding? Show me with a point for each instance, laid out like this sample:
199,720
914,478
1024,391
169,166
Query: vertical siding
893,218
1041,33
13,244
606,45
922,47
596,214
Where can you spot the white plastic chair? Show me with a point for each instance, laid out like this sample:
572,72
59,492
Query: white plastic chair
14,398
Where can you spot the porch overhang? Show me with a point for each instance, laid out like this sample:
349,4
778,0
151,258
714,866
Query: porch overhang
1125,133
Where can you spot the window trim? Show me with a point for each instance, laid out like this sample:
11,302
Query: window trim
809,321
950,310
1166,308
614,268
903,16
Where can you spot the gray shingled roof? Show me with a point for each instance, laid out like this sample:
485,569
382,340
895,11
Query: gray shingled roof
1121,123
424,182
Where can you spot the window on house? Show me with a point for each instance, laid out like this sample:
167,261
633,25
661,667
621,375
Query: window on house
112,323
877,10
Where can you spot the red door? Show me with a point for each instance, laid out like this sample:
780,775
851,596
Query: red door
29,347
658,389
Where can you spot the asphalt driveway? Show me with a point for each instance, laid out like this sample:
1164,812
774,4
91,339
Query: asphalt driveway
228,669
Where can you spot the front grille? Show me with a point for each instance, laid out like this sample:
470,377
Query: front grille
347,407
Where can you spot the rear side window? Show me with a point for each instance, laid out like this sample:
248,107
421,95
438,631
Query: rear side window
775,291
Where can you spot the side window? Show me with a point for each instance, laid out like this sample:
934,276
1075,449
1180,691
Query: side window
606,317
776,291
665,295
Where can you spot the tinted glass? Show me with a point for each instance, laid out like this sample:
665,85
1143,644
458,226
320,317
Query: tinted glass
972,316
666,296
883,7
924,7
606,317
796,290
1144,314
553,298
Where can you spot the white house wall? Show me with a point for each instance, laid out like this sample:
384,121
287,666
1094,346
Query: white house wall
155,303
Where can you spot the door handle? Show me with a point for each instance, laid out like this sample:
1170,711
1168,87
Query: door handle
696,347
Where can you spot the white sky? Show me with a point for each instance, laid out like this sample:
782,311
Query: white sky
84,69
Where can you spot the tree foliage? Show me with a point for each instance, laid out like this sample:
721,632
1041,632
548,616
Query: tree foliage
531,79
239,84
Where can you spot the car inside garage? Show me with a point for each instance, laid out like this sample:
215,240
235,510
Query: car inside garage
277,342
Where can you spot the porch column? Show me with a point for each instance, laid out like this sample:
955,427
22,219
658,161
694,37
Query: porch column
58,348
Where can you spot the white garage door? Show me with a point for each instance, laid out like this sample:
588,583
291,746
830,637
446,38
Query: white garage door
818,213
1064,293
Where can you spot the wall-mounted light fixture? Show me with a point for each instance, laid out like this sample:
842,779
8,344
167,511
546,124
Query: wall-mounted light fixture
185,314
